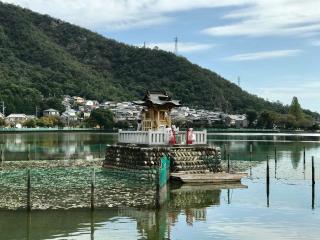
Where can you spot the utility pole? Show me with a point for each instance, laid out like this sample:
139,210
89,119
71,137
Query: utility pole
36,111
144,44
176,45
239,81
3,108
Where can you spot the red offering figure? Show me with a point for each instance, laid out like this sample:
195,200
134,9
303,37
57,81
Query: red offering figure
172,137
189,136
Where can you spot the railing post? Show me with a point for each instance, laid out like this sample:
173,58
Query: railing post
149,137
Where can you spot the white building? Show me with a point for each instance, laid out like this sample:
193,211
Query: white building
51,112
16,118
69,116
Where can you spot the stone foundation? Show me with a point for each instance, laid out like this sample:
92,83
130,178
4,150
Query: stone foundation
144,162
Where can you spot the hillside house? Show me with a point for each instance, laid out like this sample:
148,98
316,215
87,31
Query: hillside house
51,112
237,121
69,115
16,118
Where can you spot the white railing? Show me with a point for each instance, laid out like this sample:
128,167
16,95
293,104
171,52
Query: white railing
160,137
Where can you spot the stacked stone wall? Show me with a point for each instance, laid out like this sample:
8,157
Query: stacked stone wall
145,161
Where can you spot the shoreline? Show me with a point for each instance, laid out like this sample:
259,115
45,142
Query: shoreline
210,131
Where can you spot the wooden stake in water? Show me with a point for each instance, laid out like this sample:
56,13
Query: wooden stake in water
225,151
28,191
28,225
228,163
313,182
251,152
92,221
228,196
268,181
304,158
93,180
2,154
29,152
275,162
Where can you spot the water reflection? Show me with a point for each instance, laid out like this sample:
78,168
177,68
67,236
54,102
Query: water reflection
47,146
190,201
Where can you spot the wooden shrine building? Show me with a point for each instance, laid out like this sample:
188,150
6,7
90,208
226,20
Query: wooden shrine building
156,112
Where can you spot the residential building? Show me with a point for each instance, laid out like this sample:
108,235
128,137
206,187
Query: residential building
51,112
16,118
69,116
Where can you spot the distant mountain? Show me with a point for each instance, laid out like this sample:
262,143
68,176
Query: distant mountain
42,57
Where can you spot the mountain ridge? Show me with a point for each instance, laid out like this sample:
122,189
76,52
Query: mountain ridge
41,57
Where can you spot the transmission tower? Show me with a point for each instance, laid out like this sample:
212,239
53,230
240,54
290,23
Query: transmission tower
176,45
239,81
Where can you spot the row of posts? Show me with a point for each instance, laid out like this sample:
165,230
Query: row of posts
304,166
92,192
227,157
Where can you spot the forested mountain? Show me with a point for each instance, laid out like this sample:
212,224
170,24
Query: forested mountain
42,57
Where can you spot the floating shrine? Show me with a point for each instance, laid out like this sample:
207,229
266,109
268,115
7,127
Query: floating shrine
159,150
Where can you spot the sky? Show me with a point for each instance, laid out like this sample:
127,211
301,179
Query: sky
272,46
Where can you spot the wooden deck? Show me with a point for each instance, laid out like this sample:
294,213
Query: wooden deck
215,178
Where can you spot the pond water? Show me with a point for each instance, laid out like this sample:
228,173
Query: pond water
190,212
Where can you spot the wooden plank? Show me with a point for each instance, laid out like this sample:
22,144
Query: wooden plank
209,177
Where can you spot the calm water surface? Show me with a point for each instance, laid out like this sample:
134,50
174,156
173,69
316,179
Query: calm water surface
191,212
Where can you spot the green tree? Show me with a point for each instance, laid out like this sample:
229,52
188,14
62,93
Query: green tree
102,117
295,109
251,116
2,122
266,120
30,123
50,121
53,102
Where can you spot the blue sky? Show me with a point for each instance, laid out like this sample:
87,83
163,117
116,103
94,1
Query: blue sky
273,45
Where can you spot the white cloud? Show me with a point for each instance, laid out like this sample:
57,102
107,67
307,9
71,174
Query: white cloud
271,17
307,91
183,47
263,55
315,43
118,14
